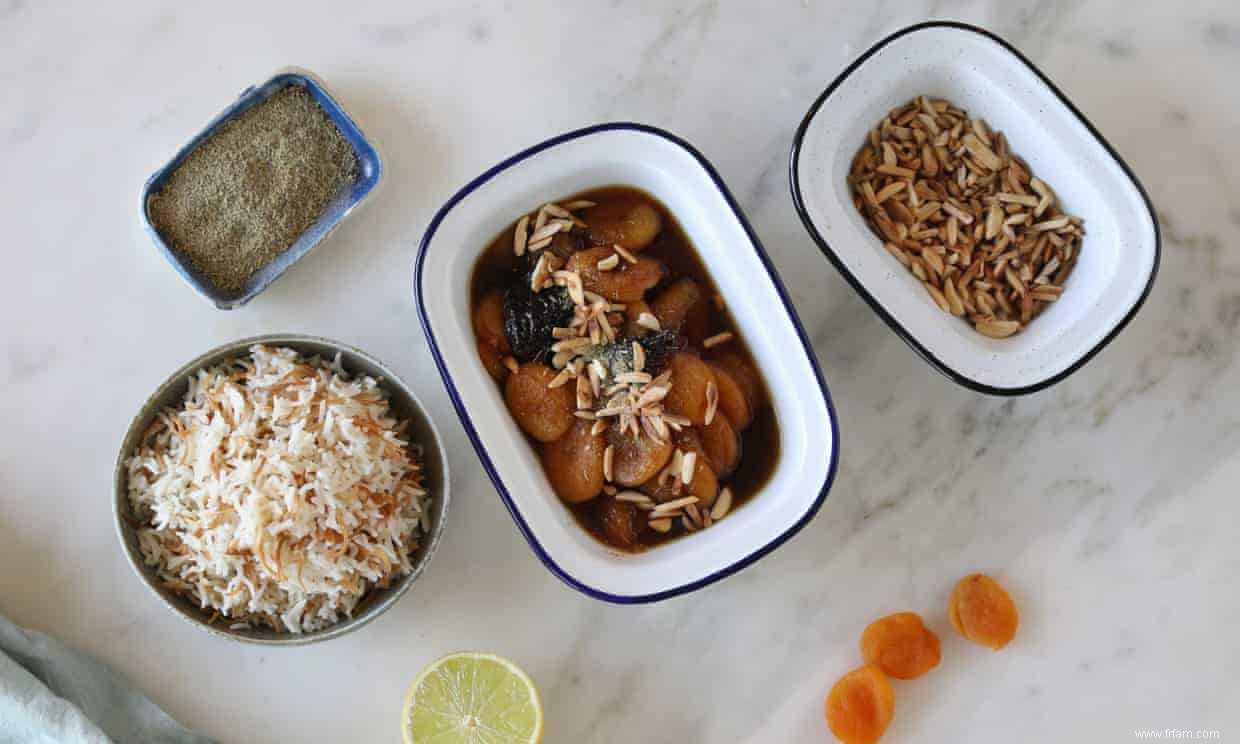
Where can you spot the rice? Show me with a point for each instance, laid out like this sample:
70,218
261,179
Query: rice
279,493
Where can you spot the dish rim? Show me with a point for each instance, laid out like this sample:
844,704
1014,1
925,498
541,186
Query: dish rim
472,432
240,346
362,146
859,286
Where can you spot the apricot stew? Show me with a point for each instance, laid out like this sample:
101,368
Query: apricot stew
618,359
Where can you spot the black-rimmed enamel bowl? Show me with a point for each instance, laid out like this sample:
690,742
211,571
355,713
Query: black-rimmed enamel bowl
676,174
982,74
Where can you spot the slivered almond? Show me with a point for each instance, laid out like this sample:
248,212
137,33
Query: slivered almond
895,170
687,465
674,504
624,254
997,328
546,232
954,304
520,236
937,295
956,207
723,504
889,191
662,524
561,379
609,456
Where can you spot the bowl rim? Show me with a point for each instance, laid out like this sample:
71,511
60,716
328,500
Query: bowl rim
913,342
363,147
471,431
347,624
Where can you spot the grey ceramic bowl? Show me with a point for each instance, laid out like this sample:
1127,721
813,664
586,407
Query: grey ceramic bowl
404,404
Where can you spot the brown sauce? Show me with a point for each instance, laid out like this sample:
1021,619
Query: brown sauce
498,268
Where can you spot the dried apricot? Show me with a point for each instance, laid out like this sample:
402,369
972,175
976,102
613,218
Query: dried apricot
722,445
636,457
632,311
492,360
703,483
983,612
489,321
545,413
621,521
860,705
733,402
574,463
743,372
690,378
625,283
901,645
633,226
674,303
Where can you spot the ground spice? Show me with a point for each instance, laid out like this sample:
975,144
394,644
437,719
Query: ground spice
252,188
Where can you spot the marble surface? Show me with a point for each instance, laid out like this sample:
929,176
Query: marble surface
1107,504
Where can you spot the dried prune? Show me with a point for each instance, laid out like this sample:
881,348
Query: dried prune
901,645
659,347
530,316
860,706
983,612
545,413
574,463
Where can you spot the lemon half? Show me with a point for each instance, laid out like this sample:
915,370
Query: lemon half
472,698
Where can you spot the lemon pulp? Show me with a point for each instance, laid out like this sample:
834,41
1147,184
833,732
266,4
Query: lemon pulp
472,698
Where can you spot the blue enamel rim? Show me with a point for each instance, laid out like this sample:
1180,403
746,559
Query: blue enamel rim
472,432
952,374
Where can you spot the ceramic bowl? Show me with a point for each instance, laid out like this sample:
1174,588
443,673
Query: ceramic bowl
985,76
676,174
404,405
370,171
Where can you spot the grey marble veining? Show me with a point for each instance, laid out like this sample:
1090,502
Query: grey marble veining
1106,504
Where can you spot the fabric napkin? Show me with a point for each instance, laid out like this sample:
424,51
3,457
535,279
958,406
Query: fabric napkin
52,694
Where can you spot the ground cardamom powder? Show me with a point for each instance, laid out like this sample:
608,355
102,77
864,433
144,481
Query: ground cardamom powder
253,187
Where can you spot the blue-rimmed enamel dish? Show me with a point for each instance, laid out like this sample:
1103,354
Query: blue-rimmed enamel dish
370,171
982,74
674,172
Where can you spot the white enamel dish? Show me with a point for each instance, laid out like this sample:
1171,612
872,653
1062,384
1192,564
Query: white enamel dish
985,76
673,172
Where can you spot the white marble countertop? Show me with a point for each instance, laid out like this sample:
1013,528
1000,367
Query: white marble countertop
1107,504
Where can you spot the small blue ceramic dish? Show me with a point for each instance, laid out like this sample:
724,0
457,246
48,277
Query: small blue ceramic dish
370,171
